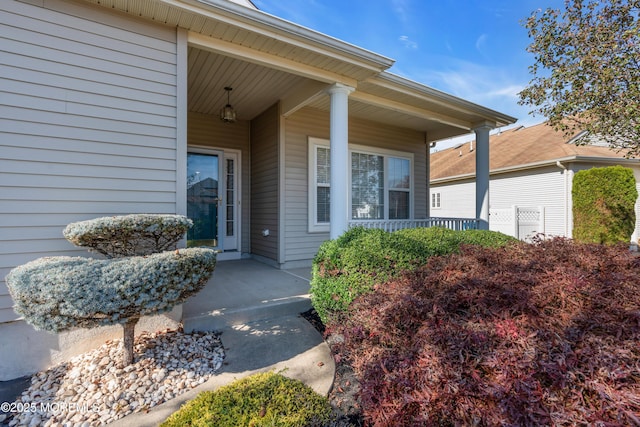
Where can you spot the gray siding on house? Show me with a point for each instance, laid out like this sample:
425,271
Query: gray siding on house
265,175
300,245
87,125
208,131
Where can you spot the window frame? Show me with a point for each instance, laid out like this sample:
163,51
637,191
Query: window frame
436,200
314,143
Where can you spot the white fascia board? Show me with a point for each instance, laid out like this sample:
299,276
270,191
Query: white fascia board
410,87
410,110
286,31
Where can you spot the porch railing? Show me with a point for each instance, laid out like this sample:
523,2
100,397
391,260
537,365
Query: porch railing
398,224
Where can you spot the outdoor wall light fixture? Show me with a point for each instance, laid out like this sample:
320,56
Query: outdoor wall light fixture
227,113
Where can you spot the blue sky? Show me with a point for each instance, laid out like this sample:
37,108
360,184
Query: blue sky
474,49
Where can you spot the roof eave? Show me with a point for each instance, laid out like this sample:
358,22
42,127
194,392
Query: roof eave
286,31
405,85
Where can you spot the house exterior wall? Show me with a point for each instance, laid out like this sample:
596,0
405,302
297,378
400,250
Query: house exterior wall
205,131
88,128
548,186
265,192
457,199
530,188
301,245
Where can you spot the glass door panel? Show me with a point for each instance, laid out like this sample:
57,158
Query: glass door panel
203,177
230,237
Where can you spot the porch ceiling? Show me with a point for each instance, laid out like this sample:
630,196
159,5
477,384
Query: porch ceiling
257,87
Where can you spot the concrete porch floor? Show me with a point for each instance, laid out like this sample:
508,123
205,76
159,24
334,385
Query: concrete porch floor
247,290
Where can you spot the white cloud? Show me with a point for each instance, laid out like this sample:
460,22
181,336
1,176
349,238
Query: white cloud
490,86
401,7
408,43
481,42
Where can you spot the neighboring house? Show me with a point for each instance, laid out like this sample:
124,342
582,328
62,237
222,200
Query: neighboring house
531,179
113,107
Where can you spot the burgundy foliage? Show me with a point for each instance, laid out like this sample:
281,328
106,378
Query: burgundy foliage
541,334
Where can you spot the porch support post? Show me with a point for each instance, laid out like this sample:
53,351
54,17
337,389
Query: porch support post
482,175
339,136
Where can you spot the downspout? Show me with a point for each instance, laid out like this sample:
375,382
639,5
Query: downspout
565,195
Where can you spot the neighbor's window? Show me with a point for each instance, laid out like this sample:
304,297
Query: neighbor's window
435,200
380,184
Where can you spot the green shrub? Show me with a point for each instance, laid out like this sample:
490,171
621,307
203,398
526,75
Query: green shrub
266,399
603,205
353,263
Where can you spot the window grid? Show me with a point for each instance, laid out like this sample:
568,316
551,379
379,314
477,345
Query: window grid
380,186
435,200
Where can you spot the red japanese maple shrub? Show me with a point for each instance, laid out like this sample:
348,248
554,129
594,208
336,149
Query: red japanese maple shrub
541,334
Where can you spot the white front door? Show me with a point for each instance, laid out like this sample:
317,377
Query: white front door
213,199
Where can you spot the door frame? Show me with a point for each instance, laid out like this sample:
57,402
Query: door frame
223,154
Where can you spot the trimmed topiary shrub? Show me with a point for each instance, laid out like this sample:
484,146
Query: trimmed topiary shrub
265,399
61,293
128,235
77,292
604,205
350,265
528,335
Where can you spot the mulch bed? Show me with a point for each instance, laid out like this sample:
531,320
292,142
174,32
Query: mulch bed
343,394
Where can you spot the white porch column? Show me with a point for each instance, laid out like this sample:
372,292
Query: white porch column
482,175
339,136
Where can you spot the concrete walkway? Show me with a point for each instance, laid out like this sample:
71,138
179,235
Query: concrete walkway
256,307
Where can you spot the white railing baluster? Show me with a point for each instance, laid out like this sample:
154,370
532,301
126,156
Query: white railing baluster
398,224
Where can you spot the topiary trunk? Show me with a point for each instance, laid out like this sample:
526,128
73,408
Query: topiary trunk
128,339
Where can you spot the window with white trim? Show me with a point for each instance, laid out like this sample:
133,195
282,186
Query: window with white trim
435,200
381,186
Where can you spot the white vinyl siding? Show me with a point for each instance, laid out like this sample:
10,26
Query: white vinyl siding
87,125
532,188
300,244
457,200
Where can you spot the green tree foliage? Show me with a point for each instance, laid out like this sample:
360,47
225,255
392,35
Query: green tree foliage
603,205
586,74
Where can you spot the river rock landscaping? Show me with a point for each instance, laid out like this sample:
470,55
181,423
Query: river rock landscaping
92,389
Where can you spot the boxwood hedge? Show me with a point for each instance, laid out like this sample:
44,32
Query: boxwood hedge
352,264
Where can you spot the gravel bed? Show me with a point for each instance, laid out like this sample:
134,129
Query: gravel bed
92,389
